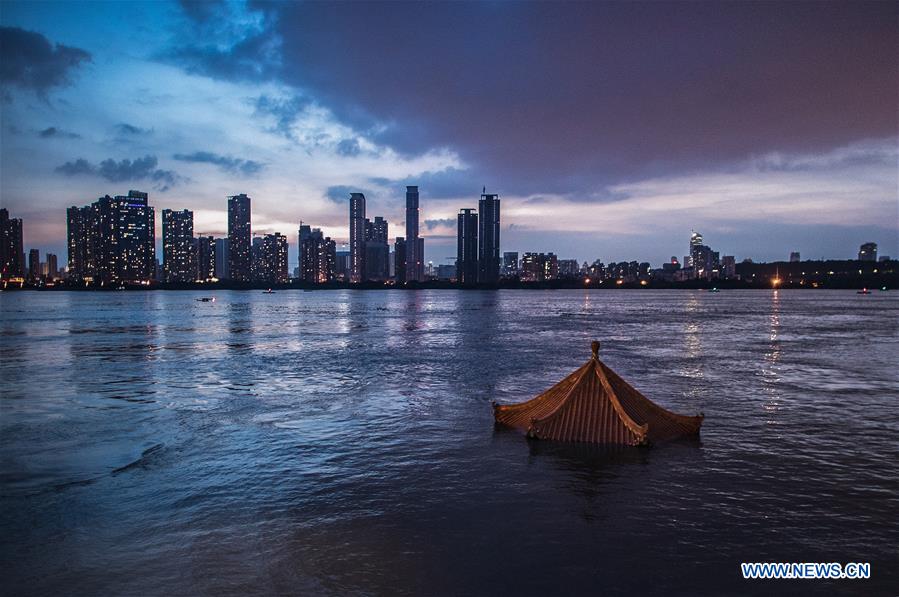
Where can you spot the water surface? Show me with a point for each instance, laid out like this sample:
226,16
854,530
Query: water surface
341,442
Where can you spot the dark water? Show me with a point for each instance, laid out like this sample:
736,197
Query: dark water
342,442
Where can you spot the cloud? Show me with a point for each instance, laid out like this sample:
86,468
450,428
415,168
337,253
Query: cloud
436,223
202,10
284,110
450,182
54,132
236,42
31,61
863,153
129,130
349,147
226,163
79,166
598,93
123,170
341,193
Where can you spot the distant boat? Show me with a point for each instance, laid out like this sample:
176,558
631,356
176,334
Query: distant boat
863,291
884,289
269,291
206,299
714,290
120,288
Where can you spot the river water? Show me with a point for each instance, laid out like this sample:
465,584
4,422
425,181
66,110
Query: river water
342,442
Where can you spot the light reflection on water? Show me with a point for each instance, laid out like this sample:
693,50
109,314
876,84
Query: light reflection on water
336,441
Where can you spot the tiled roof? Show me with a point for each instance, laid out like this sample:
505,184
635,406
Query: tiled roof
594,405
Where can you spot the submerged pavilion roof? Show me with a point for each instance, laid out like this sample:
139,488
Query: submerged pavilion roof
596,406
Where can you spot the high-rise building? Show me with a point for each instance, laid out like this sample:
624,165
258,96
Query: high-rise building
415,245
867,252
399,257
239,238
178,261
510,264
377,250
729,266
222,272
342,264
12,250
303,232
319,257
52,266
34,264
467,247
272,259
703,260
126,238
357,237
446,272
488,238
206,258
794,257
569,268
256,259
83,234
538,267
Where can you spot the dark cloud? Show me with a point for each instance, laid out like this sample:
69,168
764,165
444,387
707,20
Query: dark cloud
123,170
227,163
569,97
284,111
129,130
349,147
444,184
431,224
220,43
31,61
79,166
202,10
341,193
54,132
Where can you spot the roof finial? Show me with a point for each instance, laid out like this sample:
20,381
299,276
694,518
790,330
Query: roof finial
484,192
594,346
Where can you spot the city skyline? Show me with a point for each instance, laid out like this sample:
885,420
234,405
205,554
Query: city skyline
594,172
113,236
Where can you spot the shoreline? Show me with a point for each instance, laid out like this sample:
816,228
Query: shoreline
874,285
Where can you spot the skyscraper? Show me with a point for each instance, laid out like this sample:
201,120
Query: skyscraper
272,266
488,238
83,234
357,237
12,251
467,247
34,264
303,232
510,264
206,257
319,257
239,238
415,245
52,266
867,252
399,263
178,262
794,257
126,238
377,250
222,251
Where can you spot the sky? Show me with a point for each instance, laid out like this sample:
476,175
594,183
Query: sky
609,130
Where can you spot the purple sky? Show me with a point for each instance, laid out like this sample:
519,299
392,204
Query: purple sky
609,130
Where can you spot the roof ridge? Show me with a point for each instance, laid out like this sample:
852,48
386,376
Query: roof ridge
640,431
